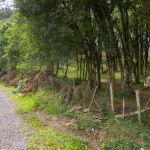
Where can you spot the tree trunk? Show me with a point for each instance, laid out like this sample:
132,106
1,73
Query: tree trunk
57,68
66,71
141,55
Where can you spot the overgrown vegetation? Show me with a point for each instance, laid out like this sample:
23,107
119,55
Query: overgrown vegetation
63,57
120,134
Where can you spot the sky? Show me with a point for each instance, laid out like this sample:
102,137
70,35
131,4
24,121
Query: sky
6,3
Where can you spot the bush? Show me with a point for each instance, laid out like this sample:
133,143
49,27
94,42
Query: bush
3,72
118,144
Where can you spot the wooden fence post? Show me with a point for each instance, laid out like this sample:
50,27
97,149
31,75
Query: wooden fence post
112,97
123,107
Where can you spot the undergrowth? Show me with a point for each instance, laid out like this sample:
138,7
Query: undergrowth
124,134
42,137
49,139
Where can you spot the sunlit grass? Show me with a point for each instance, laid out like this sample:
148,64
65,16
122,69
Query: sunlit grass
43,137
36,122
50,139
72,72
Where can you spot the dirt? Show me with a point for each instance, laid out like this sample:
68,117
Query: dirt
11,126
66,126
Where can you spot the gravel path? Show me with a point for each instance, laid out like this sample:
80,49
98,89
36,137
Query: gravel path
11,129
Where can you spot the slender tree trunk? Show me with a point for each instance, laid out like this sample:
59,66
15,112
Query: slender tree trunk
98,71
80,67
121,71
57,68
146,51
141,55
84,70
66,71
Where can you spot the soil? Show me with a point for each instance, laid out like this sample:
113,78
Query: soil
66,126
11,126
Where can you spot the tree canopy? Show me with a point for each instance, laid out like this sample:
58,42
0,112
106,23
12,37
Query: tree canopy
51,32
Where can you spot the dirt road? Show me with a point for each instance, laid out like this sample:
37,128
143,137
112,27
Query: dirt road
11,126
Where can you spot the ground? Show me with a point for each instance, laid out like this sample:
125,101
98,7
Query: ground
11,126
67,125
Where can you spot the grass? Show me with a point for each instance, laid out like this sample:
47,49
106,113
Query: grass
43,137
121,135
48,139
34,121
130,136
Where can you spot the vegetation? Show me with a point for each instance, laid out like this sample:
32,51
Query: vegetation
51,34
69,58
130,135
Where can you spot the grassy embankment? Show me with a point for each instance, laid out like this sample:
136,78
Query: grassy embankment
123,134
41,136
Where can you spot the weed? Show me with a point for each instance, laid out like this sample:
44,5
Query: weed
103,107
63,109
130,136
79,94
50,139
26,104
118,144
52,106
85,122
2,72
35,121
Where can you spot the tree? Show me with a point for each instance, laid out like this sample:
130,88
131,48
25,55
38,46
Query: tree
61,30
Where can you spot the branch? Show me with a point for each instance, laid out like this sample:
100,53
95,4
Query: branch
132,113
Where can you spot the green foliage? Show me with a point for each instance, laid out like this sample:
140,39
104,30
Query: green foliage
79,94
118,144
46,32
51,139
3,44
12,50
42,137
19,86
5,13
85,122
103,108
31,119
43,101
63,109
124,135
52,106
27,104
2,72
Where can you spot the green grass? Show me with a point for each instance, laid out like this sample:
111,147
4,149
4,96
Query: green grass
43,137
122,135
72,72
145,118
48,139
130,136
31,119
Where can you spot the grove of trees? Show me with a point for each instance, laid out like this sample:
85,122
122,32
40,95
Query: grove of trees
97,34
